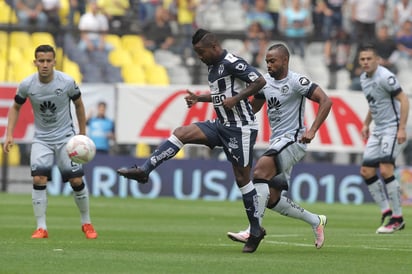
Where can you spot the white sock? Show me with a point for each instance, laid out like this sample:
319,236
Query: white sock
287,207
82,201
263,197
377,192
394,193
39,201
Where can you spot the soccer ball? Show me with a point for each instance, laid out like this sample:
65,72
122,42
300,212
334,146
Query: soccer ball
81,149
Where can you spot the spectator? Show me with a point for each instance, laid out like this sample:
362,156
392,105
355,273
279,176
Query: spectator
274,7
76,6
336,51
296,24
186,16
30,12
256,44
386,48
364,15
157,34
355,71
52,8
259,14
401,12
404,39
101,129
332,16
147,10
115,11
93,27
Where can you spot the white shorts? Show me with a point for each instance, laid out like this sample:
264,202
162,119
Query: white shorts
286,152
382,148
43,156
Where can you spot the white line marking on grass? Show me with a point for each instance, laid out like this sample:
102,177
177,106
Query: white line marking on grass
341,246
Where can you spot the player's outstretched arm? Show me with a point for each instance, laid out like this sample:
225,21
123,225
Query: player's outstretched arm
192,98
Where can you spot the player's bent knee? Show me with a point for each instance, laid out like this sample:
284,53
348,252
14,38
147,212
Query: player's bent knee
40,180
74,182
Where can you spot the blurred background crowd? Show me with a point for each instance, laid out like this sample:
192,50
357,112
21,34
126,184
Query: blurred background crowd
149,41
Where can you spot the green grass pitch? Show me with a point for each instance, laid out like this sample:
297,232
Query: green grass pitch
173,236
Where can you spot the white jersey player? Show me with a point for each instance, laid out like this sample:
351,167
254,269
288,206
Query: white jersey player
50,93
285,93
388,109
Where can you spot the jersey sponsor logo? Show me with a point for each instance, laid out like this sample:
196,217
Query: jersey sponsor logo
217,99
371,100
48,110
241,66
391,80
252,76
304,81
273,102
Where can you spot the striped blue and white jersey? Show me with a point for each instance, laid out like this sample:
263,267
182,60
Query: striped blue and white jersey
286,100
226,79
380,90
53,121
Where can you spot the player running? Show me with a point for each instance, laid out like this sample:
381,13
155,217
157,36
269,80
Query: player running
285,93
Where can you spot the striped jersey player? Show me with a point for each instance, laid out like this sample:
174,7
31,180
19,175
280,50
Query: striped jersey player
232,81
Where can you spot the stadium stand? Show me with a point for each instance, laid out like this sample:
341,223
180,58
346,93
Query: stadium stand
156,75
133,74
13,157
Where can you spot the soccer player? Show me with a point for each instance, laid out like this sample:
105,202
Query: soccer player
231,80
388,109
50,92
285,94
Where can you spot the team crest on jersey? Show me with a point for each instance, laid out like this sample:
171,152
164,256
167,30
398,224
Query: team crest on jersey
233,143
252,76
304,81
391,80
241,66
221,69
58,91
285,89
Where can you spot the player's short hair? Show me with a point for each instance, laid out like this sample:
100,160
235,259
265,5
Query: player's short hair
281,47
368,47
208,38
44,48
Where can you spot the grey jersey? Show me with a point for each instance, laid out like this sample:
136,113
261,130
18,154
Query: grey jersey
285,100
380,90
51,105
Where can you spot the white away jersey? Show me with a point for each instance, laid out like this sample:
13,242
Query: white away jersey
51,105
380,90
285,100
226,79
